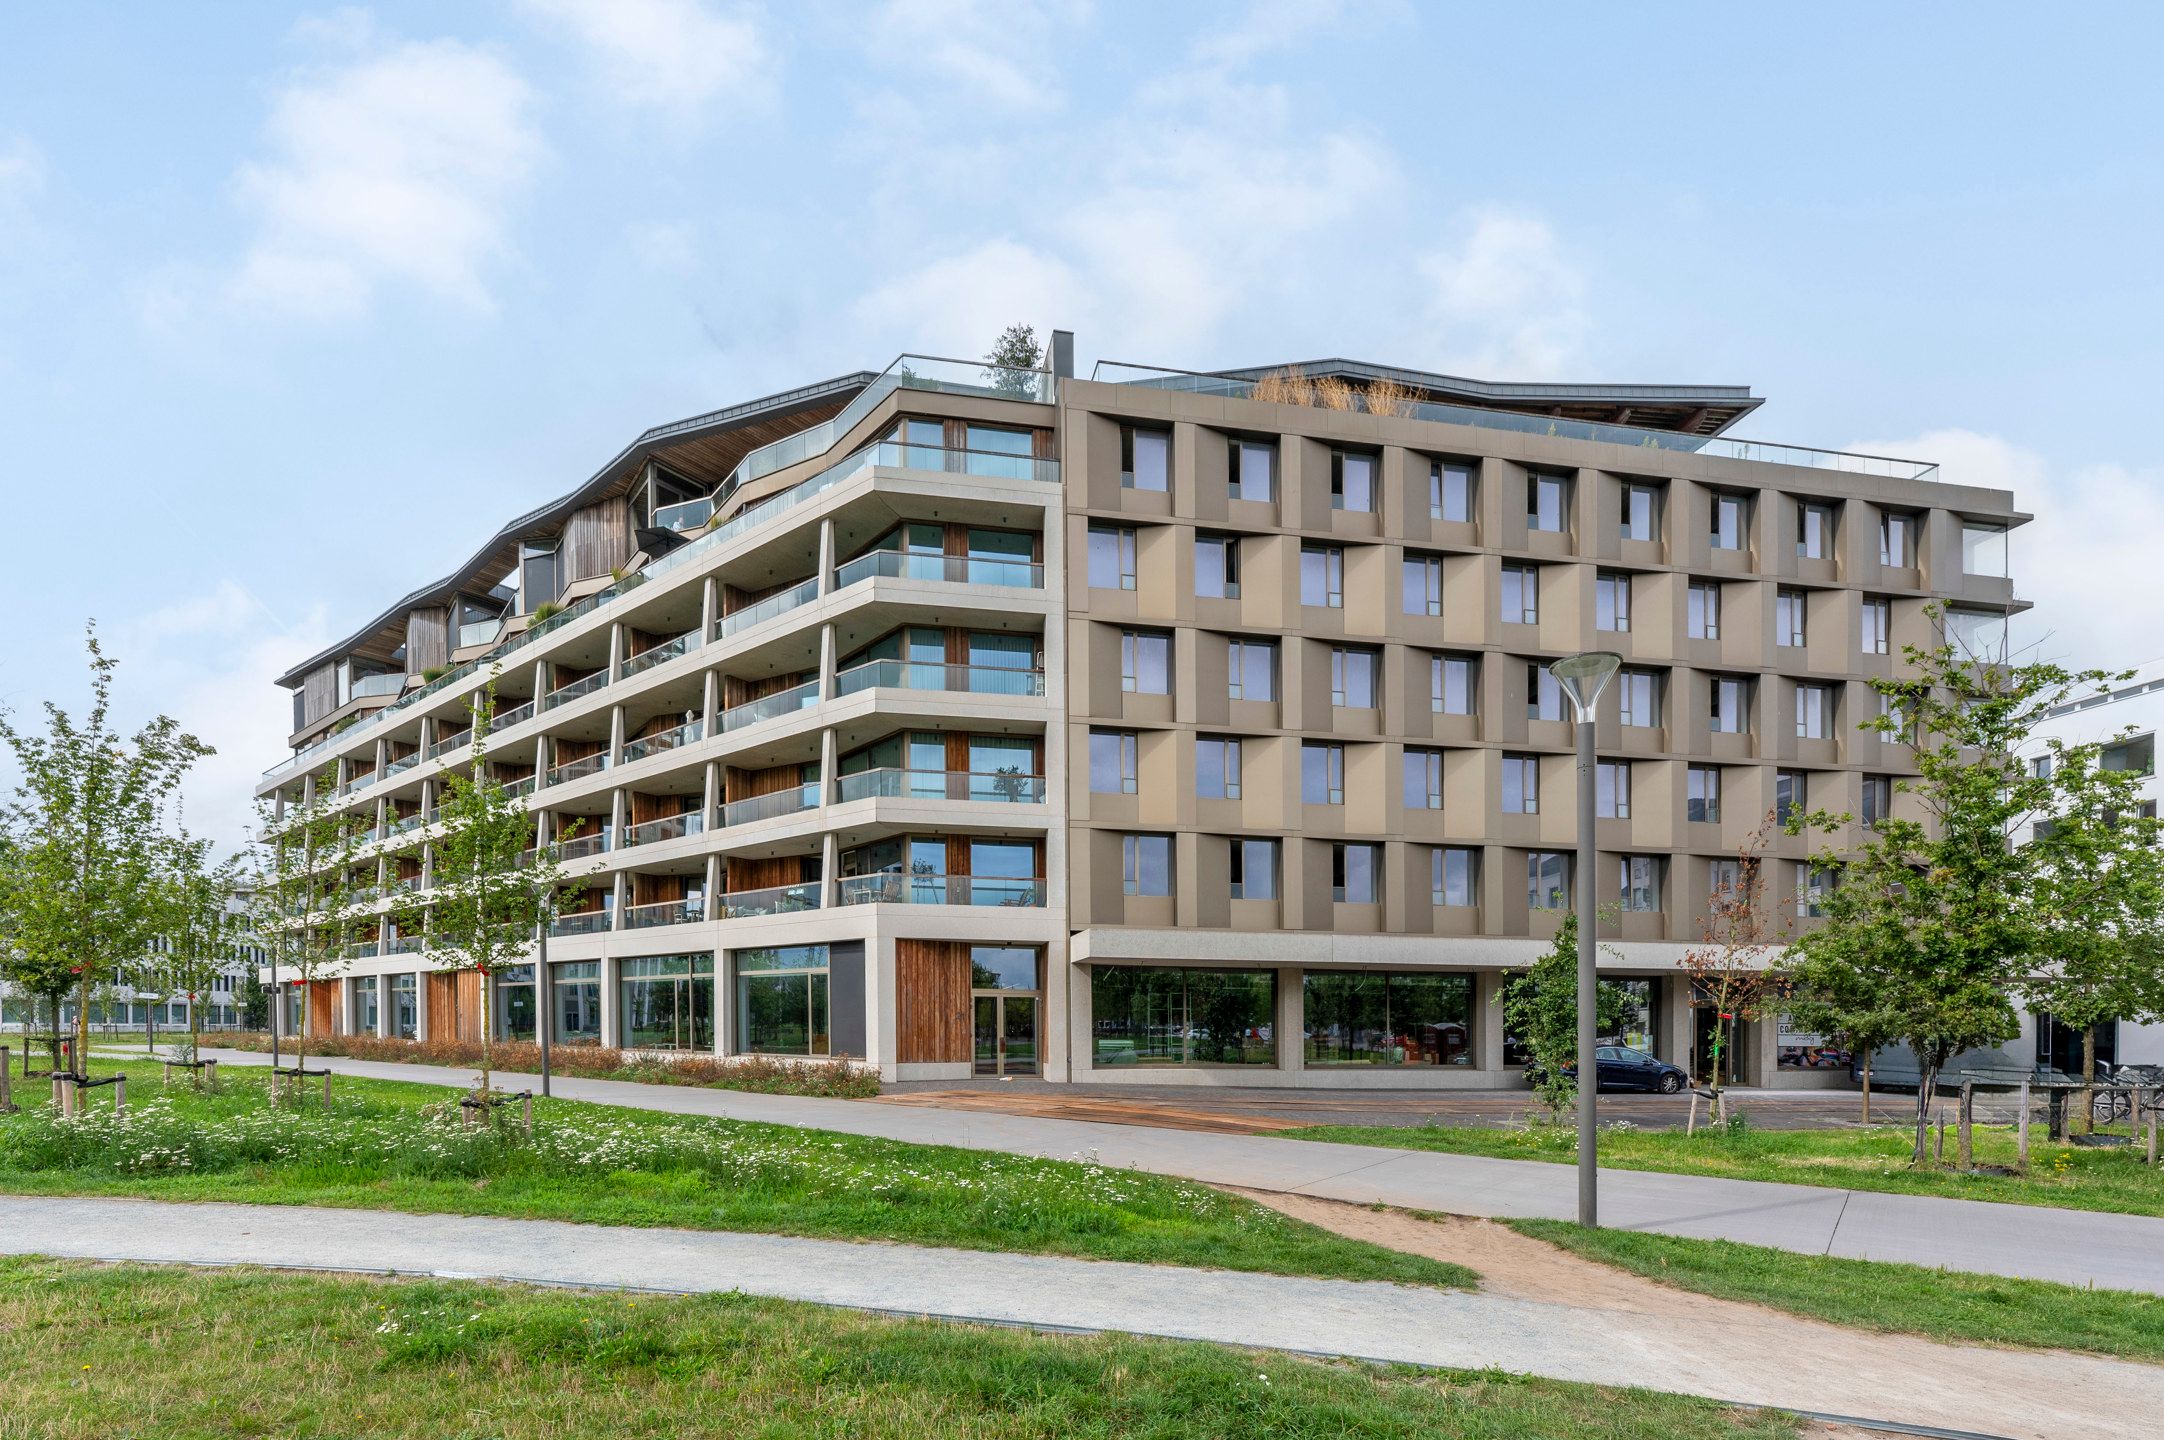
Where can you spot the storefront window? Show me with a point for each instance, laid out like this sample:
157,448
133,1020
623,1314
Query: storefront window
1388,1018
1183,1017
667,1002
1800,1049
405,1007
1635,1025
575,988
514,1003
364,1005
781,1000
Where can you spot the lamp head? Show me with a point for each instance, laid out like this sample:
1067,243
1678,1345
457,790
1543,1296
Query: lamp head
1584,677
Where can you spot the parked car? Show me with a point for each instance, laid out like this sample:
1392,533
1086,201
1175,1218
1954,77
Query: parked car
1623,1067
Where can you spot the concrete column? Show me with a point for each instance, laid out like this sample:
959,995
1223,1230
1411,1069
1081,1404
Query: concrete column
830,862
826,556
616,733
1291,1051
826,661
1488,1023
420,1006
709,608
710,803
616,648
710,703
827,760
713,888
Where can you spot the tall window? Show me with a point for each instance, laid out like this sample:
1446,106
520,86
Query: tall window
1814,712
1450,491
1145,458
1731,708
1112,762
1253,868
1169,1017
1705,611
1612,789
1352,677
1322,576
1217,767
1877,799
1896,539
1983,549
1979,634
1639,889
1451,680
1612,601
1254,470
781,999
1145,662
1788,795
1423,779
1812,885
1383,1017
1641,512
1352,480
1724,880
1877,636
1547,880
1251,669
1112,557
1217,566
1456,873
1788,617
1814,530
1146,864
666,1002
1322,774
1702,793
1423,584
1521,785
1638,700
1547,500
1729,521
1543,693
1521,595
1355,874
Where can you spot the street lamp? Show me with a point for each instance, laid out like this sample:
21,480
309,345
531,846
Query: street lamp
1583,678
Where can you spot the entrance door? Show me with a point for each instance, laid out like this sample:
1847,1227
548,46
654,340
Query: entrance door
1006,1032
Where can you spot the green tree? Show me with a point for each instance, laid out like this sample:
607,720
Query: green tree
89,820
1730,971
1012,357
306,905
1540,1007
202,934
252,1000
1924,940
2096,890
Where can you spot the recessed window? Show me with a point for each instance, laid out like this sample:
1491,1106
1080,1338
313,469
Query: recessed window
1456,873
1251,669
1112,557
1423,584
1788,618
1423,779
1724,882
1896,539
1145,662
1638,698
1788,796
1731,519
1639,888
1612,601
1547,880
1977,634
1145,458
1450,491
1702,794
1641,512
1254,470
1352,481
1112,762
1521,595
1451,684
1356,874
1877,629
1612,789
1877,799
1352,677
1704,606
1322,774
1983,549
1547,502
1521,785
1217,566
1814,712
1217,767
1322,576
1813,884
1814,531
1253,869
1146,864
1543,693
1730,712
2136,755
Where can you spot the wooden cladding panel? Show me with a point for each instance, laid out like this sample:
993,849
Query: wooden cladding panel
763,874
323,1007
428,638
598,539
739,784
454,1005
931,1002
736,691
319,692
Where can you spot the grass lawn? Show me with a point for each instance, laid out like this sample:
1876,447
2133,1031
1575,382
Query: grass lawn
390,1145
97,1353
1871,1295
1876,1158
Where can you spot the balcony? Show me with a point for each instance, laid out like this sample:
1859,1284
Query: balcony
663,742
931,675
578,769
479,632
580,922
667,912
928,889
795,800
401,766
505,719
952,569
403,945
657,655
565,694
779,603
365,686
769,707
581,847
668,827
775,900
360,950
997,786
456,740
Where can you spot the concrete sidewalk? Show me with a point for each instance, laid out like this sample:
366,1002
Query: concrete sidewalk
1803,1366
2075,1247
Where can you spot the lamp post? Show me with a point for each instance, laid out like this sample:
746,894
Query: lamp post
1583,678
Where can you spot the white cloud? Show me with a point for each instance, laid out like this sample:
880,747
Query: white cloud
998,52
2087,559
669,54
396,168
1503,301
22,167
956,305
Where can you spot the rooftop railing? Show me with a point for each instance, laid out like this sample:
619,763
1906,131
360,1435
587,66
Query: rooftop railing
1243,388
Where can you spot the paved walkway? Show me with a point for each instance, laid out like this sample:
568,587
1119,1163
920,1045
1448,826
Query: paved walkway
2120,1252
1993,1392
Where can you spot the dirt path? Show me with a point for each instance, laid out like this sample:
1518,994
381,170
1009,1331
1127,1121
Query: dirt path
1761,1356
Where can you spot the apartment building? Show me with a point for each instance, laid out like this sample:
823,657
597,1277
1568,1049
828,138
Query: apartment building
1154,726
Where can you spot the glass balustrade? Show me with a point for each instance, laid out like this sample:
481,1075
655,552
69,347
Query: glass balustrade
931,675
580,922
667,912
795,800
668,827
995,786
578,769
787,702
933,889
565,694
662,742
780,603
953,569
658,655
479,632
774,900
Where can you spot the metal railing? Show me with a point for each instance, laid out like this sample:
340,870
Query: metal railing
952,569
668,827
779,603
768,707
663,741
666,912
932,675
994,785
774,900
928,889
660,654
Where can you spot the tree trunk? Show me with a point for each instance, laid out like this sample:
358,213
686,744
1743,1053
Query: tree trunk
2086,1120
1867,1087
80,1060
488,1015
1927,1081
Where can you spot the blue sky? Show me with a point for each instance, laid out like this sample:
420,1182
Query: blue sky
297,304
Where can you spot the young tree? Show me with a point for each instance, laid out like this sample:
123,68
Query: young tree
89,818
2096,891
1540,1006
201,931
1012,355
303,895
1932,925
1730,969
252,1000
